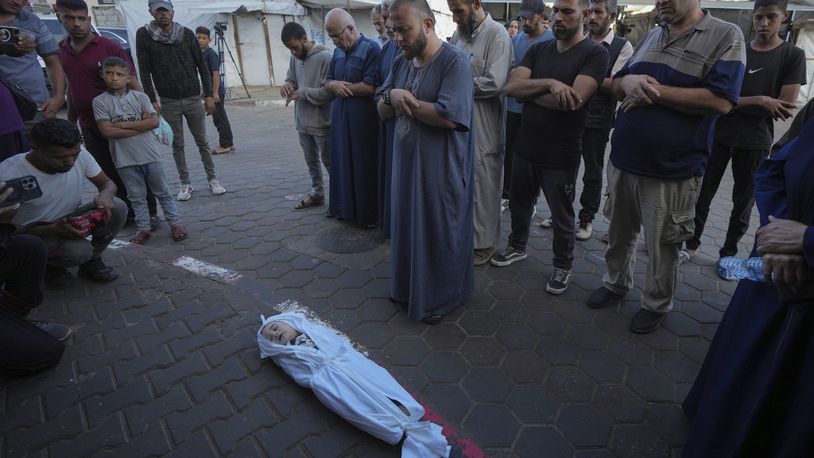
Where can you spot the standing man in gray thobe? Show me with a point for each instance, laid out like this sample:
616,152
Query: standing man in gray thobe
489,47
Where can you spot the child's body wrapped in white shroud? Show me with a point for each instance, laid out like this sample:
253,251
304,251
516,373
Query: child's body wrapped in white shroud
356,388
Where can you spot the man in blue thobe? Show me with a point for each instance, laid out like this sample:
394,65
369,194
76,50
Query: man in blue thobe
352,77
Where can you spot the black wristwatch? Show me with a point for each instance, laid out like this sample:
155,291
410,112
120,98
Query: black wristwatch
386,97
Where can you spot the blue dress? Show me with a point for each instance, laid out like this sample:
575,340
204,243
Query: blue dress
754,395
354,136
386,129
432,196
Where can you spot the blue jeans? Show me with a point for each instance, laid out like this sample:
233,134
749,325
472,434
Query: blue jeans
136,179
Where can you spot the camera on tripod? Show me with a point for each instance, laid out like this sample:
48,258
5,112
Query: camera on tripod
220,27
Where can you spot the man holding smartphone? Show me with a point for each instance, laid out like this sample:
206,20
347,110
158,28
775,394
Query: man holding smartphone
19,65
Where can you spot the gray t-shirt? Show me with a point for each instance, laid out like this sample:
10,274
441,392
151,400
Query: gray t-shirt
25,71
139,149
61,192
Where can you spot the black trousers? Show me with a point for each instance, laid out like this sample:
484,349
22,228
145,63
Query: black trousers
558,189
98,147
512,127
24,348
744,165
222,125
594,142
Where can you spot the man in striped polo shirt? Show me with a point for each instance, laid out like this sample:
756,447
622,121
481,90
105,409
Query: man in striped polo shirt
684,74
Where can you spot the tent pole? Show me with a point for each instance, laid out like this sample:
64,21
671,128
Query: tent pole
237,44
264,20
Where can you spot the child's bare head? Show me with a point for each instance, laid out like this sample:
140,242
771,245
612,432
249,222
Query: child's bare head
279,332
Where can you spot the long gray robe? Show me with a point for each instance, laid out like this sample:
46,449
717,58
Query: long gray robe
490,57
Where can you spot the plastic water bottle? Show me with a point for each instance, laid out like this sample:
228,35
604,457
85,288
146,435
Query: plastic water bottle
735,268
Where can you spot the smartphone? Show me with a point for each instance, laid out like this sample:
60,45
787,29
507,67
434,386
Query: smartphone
9,35
25,188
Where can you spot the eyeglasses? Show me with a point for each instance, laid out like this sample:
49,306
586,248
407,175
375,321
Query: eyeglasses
335,37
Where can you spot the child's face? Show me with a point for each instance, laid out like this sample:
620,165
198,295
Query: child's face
116,78
203,41
279,333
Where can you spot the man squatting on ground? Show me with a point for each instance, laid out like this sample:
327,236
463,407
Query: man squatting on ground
160,46
312,105
775,70
489,48
556,79
660,147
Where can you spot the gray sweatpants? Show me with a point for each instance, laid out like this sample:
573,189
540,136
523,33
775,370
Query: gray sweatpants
174,111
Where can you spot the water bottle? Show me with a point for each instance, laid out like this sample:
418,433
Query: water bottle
735,268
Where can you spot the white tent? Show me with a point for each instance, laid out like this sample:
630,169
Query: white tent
253,30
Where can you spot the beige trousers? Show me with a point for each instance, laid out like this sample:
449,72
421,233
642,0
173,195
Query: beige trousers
664,209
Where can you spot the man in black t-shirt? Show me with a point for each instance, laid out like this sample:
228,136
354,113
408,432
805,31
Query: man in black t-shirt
212,59
775,70
556,79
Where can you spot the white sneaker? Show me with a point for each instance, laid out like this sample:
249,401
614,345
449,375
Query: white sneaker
185,192
216,188
546,223
584,230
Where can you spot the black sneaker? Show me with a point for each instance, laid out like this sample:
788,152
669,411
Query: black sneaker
509,256
97,271
602,297
58,278
56,330
645,321
559,281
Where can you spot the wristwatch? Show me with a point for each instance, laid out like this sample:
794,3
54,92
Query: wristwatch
386,97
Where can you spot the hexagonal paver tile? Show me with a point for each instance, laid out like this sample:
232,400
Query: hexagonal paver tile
406,351
716,299
583,425
444,367
402,324
547,324
296,279
694,347
348,298
479,301
372,334
558,351
525,367
273,270
651,384
377,309
304,262
320,287
493,425
631,352
619,403
570,384
450,401
379,287
701,312
602,366
677,366
482,351
412,378
587,337
537,441
505,291
445,336
534,404
669,422
510,311
595,453
516,336
487,384
478,323
637,441
328,270
354,278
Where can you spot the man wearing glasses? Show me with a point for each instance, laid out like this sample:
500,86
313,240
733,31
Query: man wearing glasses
353,77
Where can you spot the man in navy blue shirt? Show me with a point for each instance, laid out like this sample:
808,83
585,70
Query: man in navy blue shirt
212,59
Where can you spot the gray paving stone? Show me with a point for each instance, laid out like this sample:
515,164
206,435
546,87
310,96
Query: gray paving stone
602,366
525,367
482,351
478,323
637,441
677,366
448,398
534,404
570,384
619,403
583,425
587,337
547,324
558,351
494,425
535,440
444,367
486,384
372,334
406,351
651,384
445,336
516,337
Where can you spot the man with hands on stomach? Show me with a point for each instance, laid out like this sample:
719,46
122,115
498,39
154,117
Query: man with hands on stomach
684,74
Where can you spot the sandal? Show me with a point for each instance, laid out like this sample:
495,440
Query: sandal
309,202
483,255
141,237
178,232
432,319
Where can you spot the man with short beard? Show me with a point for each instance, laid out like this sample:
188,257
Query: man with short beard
600,112
378,24
429,91
489,47
683,75
556,79
386,126
531,15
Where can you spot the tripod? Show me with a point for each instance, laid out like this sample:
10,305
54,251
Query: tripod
221,45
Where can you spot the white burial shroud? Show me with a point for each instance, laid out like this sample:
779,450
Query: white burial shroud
356,388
